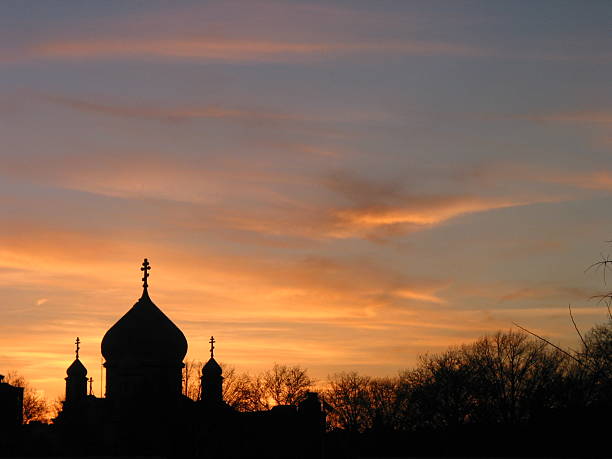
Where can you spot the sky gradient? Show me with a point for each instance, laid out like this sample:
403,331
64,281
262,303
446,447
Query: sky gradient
340,185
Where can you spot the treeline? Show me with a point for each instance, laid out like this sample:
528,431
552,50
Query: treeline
508,378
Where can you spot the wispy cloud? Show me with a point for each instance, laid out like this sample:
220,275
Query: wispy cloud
232,50
575,117
250,116
388,208
172,113
540,292
422,296
599,180
423,211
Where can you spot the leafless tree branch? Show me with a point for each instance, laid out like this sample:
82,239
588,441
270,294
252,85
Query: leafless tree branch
560,349
569,306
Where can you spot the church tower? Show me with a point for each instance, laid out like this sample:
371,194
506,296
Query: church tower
144,354
212,379
76,381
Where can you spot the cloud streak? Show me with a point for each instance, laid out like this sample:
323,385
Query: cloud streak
234,50
423,211
596,117
173,114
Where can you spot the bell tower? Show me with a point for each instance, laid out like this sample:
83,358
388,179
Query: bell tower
212,379
76,381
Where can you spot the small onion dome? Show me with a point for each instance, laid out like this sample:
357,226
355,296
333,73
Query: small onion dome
76,369
144,333
211,368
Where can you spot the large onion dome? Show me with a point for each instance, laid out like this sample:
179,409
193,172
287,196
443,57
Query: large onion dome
144,334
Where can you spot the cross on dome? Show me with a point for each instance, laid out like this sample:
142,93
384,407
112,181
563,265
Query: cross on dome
212,346
78,346
145,268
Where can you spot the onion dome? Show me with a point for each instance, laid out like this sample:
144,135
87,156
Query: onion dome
211,368
144,333
77,369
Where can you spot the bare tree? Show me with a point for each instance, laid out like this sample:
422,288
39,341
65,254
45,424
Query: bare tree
512,375
285,385
440,390
192,373
388,400
55,407
35,406
240,390
348,398
591,374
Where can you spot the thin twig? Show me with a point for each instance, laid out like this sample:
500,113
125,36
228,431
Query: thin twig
586,347
604,262
551,344
607,299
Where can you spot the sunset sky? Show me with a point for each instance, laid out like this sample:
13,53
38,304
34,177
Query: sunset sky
340,185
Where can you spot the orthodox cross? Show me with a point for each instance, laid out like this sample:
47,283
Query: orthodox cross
78,346
90,386
212,346
145,268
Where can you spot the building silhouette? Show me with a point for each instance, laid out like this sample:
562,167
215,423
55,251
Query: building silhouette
11,406
144,411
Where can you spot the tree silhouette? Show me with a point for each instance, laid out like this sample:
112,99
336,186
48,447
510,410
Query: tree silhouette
349,400
285,385
192,371
441,390
513,375
239,391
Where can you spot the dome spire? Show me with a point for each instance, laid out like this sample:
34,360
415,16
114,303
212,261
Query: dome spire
145,268
78,347
212,346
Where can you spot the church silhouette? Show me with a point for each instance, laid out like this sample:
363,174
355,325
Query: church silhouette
144,411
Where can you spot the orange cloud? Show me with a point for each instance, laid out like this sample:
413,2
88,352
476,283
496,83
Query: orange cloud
237,50
326,221
423,211
415,295
387,208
